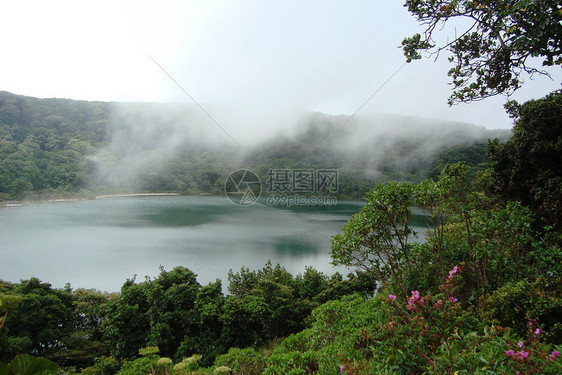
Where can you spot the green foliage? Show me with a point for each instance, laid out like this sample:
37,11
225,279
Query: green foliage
46,149
84,342
336,325
377,239
247,320
433,335
528,167
39,322
7,303
208,338
151,363
412,335
495,243
294,363
25,364
107,365
517,303
473,156
242,361
149,351
59,324
271,303
182,318
188,364
417,334
44,143
491,49
505,274
138,366
91,307
222,370
158,312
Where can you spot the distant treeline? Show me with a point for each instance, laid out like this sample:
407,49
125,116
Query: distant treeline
68,147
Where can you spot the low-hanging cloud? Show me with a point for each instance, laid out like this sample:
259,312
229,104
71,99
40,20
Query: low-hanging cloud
148,140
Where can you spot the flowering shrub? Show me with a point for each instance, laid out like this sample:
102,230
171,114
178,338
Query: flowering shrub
435,334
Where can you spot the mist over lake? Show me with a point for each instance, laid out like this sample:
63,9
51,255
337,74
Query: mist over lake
100,243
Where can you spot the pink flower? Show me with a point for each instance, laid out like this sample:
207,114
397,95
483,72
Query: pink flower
413,298
391,297
341,369
439,302
553,355
520,344
392,324
453,299
537,331
453,271
521,355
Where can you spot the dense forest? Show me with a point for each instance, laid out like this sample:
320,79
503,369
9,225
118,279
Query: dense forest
59,147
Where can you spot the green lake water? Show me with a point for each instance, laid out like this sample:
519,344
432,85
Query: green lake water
100,243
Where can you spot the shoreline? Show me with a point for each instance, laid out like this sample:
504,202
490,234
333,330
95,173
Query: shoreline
19,203
139,195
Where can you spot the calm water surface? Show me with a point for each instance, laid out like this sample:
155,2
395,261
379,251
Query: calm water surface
100,243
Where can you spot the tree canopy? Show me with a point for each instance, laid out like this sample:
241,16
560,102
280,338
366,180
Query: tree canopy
493,48
528,167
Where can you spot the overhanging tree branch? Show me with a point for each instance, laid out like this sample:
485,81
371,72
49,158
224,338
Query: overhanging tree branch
491,54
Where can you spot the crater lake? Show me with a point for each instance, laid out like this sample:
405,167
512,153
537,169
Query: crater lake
101,243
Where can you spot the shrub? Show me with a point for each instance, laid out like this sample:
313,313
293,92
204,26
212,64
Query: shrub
293,363
242,361
435,335
516,303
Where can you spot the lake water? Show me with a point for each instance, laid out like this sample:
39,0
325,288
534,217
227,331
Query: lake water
100,243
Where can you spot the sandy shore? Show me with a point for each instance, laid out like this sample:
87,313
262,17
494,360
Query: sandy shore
76,199
28,202
138,195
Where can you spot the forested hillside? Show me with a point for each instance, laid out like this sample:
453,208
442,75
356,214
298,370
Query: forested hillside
66,147
44,143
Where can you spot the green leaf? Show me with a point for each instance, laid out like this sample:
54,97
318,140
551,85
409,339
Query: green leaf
20,363
25,364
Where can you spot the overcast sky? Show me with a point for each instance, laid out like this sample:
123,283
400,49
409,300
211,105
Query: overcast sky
264,58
